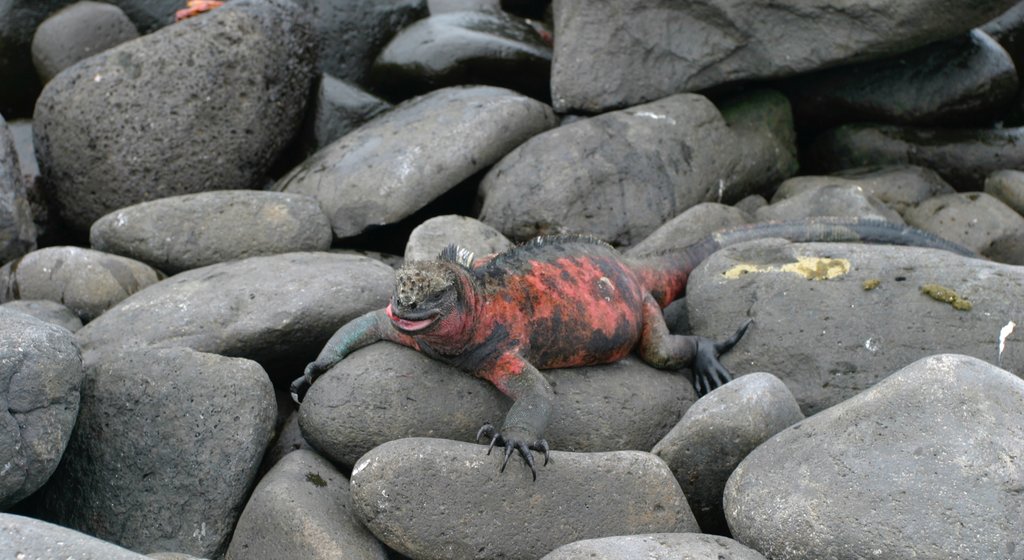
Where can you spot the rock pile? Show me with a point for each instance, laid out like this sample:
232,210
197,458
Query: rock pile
188,211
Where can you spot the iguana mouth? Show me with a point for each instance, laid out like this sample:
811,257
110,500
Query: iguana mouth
410,325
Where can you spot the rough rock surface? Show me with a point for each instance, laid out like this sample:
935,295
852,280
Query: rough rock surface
261,308
832,338
432,498
397,163
32,538
676,546
193,230
302,509
17,232
1008,186
620,175
204,104
165,450
828,200
433,235
385,392
613,54
40,376
717,432
88,282
899,186
688,228
76,32
974,220
48,311
923,465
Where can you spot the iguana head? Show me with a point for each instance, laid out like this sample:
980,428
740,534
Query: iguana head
430,297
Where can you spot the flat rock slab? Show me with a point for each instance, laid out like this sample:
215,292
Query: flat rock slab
87,281
831,338
432,498
124,126
613,54
33,538
385,392
398,162
194,230
302,508
926,464
165,451
262,308
621,175
667,546
40,377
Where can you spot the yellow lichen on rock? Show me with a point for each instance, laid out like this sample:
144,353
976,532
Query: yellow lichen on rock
812,268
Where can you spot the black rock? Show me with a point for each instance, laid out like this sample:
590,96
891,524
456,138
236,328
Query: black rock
17,230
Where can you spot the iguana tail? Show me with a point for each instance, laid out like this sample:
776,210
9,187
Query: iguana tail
666,275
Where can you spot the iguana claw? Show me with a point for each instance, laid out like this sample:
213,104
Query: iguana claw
512,444
708,371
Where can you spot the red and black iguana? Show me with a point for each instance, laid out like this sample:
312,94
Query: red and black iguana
564,301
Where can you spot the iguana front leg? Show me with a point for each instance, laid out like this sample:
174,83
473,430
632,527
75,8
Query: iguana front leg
353,335
662,349
526,421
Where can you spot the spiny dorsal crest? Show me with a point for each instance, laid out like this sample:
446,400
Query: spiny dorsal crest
458,255
417,281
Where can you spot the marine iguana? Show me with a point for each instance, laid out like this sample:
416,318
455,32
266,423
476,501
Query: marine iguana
564,301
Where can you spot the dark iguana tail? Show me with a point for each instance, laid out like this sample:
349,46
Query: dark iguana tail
666,275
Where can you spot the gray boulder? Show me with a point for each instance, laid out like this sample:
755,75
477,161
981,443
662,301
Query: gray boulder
1008,186
963,157
351,33
966,80
613,54
47,311
194,230
262,308
78,31
88,282
40,376
919,466
872,310
900,187
33,538
974,219
717,432
828,200
385,392
688,228
466,47
397,163
302,508
176,111
337,109
428,239
17,231
165,450
621,175
658,546
433,498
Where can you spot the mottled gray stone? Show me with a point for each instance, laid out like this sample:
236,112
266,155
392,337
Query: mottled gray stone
717,432
48,311
828,200
189,231
385,392
966,80
899,186
263,308
1008,186
831,339
165,450
398,162
433,498
658,546
302,508
974,219
88,282
204,104
78,31
432,236
623,174
613,54
923,465
40,376
36,539
17,231
963,157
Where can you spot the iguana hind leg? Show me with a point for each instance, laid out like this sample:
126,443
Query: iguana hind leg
662,349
